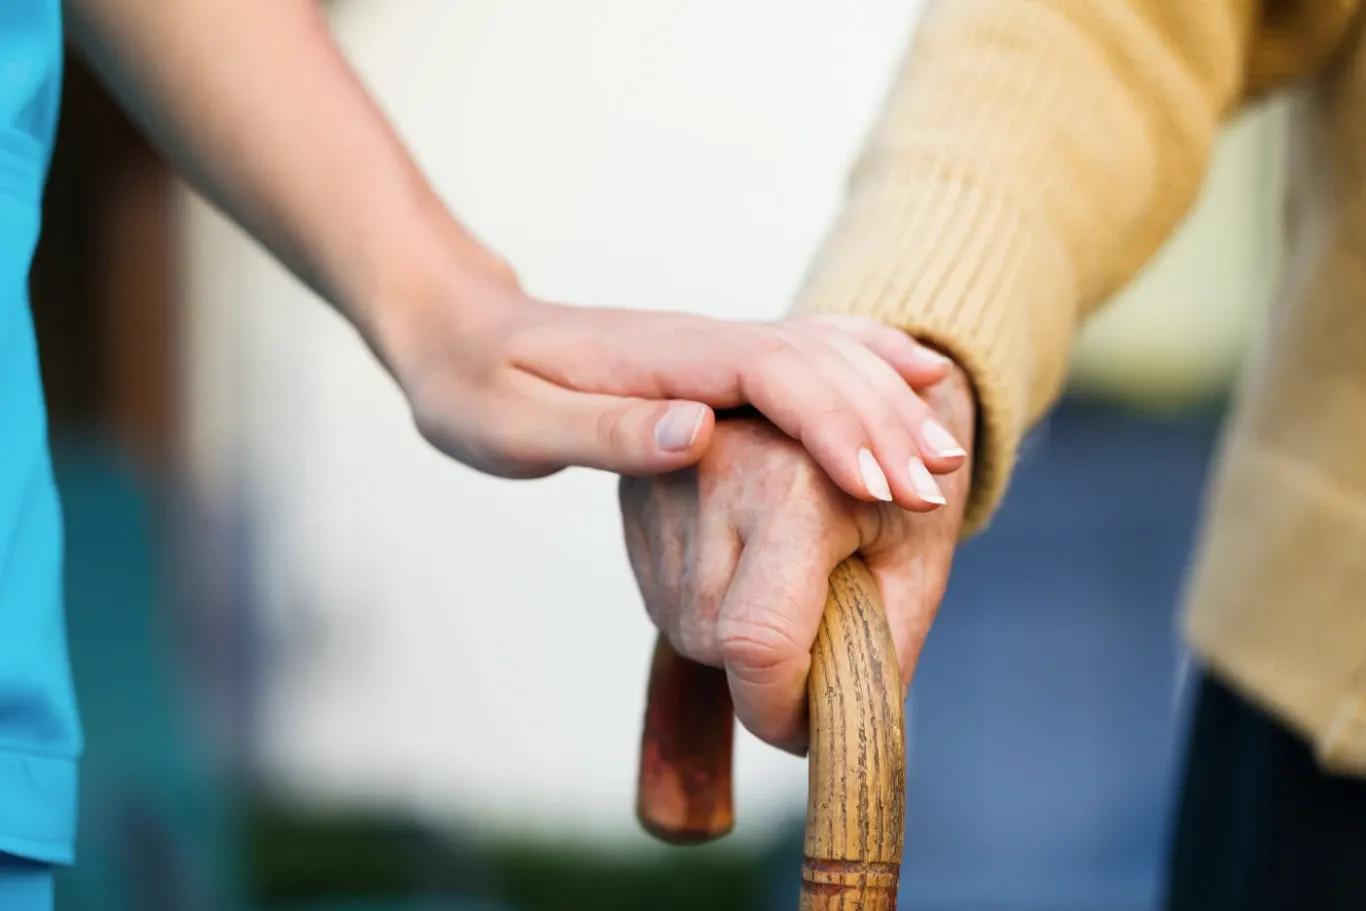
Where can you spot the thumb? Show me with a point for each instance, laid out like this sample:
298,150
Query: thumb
629,436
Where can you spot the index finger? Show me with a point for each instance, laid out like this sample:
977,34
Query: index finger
918,364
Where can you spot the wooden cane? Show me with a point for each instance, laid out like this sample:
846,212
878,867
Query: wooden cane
857,800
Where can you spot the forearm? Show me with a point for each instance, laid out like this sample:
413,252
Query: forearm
253,101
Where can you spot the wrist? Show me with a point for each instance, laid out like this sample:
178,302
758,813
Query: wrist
435,283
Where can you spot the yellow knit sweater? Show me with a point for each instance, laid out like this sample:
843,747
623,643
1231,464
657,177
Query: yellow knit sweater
1032,156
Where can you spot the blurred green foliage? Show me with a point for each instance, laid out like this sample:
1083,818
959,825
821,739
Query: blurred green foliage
314,861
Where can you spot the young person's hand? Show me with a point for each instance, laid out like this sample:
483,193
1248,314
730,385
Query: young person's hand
521,388
294,149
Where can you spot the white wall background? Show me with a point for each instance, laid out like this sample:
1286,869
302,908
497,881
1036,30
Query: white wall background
468,648
464,646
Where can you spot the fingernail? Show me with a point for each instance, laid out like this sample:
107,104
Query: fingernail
930,359
941,442
677,430
872,475
924,483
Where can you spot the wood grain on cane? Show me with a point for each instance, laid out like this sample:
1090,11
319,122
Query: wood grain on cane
857,799
857,794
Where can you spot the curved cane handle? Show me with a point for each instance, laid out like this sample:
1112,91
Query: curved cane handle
857,800
683,794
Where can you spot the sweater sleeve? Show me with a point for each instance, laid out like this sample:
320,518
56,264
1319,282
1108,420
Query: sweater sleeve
1033,154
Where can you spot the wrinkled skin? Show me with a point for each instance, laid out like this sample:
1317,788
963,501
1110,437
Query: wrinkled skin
733,556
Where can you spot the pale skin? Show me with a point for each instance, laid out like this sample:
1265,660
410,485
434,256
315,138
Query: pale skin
733,556
254,102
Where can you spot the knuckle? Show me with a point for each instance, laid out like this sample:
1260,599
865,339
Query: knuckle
695,640
660,612
769,369
805,484
769,724
873,527
633,495
609,429
836,418
773,344
755,648
699,596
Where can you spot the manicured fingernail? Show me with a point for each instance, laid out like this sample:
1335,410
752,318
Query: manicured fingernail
677,430
930,359
939,440
924,483
872,475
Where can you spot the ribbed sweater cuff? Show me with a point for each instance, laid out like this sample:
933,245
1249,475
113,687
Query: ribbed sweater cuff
962,267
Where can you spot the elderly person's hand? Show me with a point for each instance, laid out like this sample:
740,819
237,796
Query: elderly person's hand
733,556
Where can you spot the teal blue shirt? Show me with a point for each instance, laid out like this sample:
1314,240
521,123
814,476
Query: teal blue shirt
39,733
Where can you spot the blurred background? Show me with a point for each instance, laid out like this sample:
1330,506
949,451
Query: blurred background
321,667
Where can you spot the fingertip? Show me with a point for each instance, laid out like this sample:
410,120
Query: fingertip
924,485
787,730
941,450
943,465
917,502
930,359
921,366
798,745
909,487
683,429
705,429
873,477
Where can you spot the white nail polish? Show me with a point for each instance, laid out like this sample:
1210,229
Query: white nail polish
872,475
931,358
938,438
924,483
677,430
